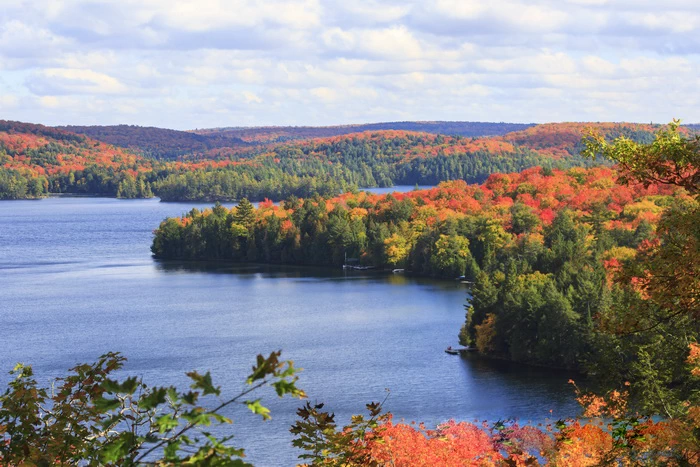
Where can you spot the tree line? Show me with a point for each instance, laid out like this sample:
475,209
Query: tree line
35,161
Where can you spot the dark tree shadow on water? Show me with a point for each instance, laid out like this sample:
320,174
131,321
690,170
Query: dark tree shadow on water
315,273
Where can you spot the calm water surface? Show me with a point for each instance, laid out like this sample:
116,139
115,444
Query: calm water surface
77,280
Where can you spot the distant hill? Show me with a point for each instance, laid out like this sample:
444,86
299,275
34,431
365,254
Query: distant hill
287,133
162,143
158,143
14,128
36,160
49,150
563,140
556,139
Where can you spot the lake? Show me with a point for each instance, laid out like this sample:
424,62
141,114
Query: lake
78,280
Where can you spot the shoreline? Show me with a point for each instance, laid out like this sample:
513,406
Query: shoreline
203,200
372,270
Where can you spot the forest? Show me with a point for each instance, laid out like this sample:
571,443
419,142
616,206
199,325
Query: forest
540,247
181,166
589,268
156,143
161,143
282,133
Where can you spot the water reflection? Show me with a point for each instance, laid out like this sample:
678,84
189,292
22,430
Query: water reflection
298,272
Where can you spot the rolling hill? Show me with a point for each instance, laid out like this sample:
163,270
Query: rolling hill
289,133
220,165
158,143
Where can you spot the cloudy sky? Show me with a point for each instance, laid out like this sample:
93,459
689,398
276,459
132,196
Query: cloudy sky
206,63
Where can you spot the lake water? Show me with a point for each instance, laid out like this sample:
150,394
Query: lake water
77,280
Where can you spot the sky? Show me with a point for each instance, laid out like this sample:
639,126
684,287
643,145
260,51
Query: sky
217,63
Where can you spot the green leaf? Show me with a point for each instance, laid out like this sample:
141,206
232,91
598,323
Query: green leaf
110,386
130,385
114,450
190,398
171,449
258,409
283,387
204,383
105,405
264,367
198,416
220,418
166,423
153,399
110,421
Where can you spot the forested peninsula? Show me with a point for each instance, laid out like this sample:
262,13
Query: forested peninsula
544,241
589,269
215,166
541,248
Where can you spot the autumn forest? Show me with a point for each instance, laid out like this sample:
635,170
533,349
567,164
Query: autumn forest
135,162
593,269
578,244
368,233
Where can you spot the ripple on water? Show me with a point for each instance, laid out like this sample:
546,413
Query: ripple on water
78,280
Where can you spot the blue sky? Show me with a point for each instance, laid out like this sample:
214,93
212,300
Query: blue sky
210,63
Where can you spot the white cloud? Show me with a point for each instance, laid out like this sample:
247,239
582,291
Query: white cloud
461,9
597,65
393,43
8,101
89,60
204,63
646,66
523,15
204,15
74,81
677,22
51,102
19,39
546,62
325,94
338,39
396,43
370,11
252,98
